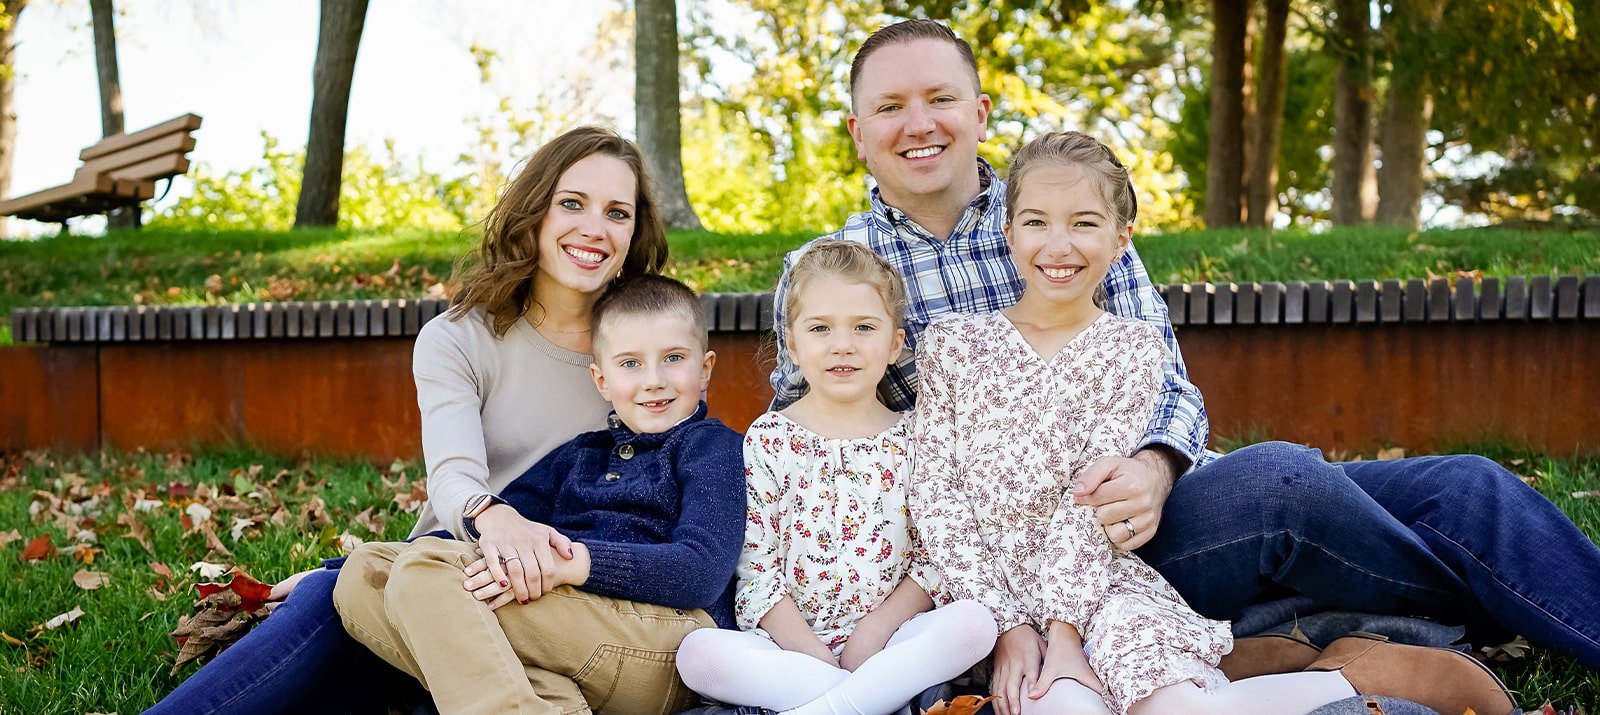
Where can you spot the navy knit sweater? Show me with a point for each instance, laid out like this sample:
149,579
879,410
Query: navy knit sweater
661,514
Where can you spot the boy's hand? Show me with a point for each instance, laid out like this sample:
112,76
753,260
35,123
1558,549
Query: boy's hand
482,584
865,641
1018,658
520,554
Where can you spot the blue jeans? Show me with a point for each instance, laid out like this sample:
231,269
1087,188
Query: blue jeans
1454,538
297,660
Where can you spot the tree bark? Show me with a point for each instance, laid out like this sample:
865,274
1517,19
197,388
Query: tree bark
338,37
9,11
1352,113
1261,196
656,108
1225,143
1407,114
102,15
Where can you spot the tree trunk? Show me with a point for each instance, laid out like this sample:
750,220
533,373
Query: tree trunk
102,13
655,96
9,10
1352,113
338,37
1407,114
1272,88
1225,144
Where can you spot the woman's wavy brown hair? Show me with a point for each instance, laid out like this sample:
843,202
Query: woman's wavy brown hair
499,275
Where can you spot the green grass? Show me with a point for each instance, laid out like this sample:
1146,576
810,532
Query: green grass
171,267
117,656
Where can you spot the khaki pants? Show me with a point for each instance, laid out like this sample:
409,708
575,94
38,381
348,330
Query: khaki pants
567,652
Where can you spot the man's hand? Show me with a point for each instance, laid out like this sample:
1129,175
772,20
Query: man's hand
1128,491
1018,656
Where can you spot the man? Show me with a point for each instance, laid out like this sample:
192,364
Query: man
1455,538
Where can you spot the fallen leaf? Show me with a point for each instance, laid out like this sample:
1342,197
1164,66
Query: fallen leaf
370,522
7,537
961,705
239,525
1592,493
1391,453
7,637
252,593
91,580
206,569
60,620
161,569
38,548
214,283
219,622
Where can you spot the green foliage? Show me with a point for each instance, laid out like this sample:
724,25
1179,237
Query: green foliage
373,194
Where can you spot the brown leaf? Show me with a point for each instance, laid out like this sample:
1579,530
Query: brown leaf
370,522
220,620
91,580
7,637
962,705
315,513
7,537
38,548
214,283
161,569
1391,453
1592,493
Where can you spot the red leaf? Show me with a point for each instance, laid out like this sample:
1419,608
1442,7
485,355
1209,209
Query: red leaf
252,593
177,491
38,548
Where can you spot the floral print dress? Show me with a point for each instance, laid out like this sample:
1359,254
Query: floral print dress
1001,433
827,525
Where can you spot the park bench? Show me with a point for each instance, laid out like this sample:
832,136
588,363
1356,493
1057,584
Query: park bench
118,171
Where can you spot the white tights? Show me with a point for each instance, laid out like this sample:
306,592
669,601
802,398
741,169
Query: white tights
1286,694
746,669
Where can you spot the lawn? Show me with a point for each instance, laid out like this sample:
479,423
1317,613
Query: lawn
121,514
157,266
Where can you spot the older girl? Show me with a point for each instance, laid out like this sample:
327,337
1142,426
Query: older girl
1014,406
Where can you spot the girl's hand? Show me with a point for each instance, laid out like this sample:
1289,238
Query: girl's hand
282,589
864,642
1065,660
520,554
1018,657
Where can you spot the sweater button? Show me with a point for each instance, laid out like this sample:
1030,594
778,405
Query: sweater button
612,476
614,421
625,451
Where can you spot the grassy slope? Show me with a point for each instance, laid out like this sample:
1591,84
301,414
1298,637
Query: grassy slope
117,656
156,266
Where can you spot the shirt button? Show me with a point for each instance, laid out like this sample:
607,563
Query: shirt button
625,451
612,476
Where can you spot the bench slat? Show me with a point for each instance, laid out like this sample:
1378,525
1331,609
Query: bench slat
185,123
174,145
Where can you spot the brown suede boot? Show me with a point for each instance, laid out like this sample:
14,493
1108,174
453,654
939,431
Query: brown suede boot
1446,680
1267,655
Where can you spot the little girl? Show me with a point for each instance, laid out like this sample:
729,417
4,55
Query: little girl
1013,406
834,592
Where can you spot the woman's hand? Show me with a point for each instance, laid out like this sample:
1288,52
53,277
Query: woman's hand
484,587
518,553
282,589
1018,657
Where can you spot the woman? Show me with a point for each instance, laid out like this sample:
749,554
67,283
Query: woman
500,382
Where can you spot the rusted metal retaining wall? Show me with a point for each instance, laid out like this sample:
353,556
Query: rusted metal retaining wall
1340,365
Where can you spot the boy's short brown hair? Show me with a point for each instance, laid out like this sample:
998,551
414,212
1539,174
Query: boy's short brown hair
648,294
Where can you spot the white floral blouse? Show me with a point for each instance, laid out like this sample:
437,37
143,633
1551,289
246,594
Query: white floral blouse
1001,433
827,525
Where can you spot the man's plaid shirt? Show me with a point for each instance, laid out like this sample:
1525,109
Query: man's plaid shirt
972,272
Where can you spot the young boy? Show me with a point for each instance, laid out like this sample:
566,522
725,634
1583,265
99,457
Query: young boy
654,510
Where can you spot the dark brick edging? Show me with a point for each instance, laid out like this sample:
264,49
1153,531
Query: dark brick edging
1317,302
